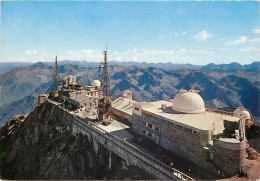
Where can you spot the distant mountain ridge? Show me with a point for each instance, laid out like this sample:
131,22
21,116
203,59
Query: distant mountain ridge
232,66
7,66
219,88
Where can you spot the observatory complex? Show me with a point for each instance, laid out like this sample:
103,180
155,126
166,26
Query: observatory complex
211,138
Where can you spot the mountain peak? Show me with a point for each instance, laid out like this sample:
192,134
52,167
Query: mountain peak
39,65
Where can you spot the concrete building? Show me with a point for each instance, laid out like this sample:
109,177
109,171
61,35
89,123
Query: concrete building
82,99
211,138
122,106
43,97
87,96
69,80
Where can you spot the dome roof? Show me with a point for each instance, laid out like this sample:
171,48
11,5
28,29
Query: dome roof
188,102
244,112
96,83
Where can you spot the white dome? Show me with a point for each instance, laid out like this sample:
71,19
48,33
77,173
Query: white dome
188,102
96,83
244,112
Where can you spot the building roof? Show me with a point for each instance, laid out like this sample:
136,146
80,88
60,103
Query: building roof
188,102
202,121
243,112
82,97
44,94
123,104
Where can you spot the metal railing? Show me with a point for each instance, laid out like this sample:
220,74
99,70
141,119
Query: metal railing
222,112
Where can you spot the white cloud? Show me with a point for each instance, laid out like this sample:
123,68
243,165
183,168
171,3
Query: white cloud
249,49
17,59
87,51
70,52
255,40
256,30
134,58
154,52
240,40
201,36
85,54
30,52
118,59
224,49
200,51
182,50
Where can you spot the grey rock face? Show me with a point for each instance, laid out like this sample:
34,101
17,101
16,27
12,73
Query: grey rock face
41,148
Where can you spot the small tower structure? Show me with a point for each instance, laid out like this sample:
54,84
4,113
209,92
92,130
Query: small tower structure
128,94
104,106
55,76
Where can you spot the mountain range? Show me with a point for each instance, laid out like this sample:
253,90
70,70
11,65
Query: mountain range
219,85
7,66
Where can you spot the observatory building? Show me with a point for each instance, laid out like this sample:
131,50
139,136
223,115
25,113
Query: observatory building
211,138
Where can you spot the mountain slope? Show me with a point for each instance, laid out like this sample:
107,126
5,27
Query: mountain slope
40,147
218,88
243,91
22,81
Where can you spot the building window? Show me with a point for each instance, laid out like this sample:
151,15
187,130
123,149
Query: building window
157,129
144,123
188,130
150,125
170,123
144,132
178,126
150,134
136,108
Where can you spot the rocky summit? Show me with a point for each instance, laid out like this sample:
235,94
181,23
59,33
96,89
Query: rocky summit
37,146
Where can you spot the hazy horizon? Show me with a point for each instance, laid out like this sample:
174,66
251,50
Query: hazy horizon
123,62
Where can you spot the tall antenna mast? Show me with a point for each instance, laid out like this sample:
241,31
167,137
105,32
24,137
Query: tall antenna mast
104,101
105,83
55,76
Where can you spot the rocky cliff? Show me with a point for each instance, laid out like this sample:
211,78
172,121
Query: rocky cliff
38,146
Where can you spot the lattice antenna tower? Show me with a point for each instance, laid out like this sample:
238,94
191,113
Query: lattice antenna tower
104,102
55,76
105,82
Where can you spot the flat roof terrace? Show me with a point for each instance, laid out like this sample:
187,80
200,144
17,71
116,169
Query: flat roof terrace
123,104
201,121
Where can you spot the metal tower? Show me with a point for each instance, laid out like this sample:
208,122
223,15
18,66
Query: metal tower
104,106
55,76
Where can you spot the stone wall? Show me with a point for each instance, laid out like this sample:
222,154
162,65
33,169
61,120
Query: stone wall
177,140
182,143
229,157
126,151
186,143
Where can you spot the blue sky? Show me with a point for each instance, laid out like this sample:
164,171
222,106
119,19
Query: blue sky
177,32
